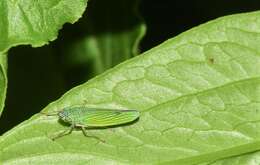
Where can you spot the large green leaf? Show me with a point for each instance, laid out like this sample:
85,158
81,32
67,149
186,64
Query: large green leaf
198,94
3,80
108,34
35,22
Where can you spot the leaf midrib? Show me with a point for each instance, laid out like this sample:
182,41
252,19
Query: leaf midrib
200,92
220,154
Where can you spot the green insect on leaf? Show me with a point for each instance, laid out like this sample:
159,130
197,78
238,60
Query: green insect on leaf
84,117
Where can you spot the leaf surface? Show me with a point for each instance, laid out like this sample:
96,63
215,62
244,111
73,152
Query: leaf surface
198,95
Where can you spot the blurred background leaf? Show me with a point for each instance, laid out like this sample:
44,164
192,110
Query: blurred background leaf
109,34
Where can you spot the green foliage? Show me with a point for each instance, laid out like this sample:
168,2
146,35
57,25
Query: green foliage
198,95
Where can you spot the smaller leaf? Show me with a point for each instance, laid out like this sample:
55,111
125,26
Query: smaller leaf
35,22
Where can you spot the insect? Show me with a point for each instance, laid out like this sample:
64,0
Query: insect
84,117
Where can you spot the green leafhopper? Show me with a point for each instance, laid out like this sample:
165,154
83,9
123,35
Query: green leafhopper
84,117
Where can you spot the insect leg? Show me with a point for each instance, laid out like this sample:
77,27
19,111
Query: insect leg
91,136
63,133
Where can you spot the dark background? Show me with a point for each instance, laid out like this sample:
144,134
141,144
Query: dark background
34,73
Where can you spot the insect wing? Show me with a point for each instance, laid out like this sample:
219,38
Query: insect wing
102,118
